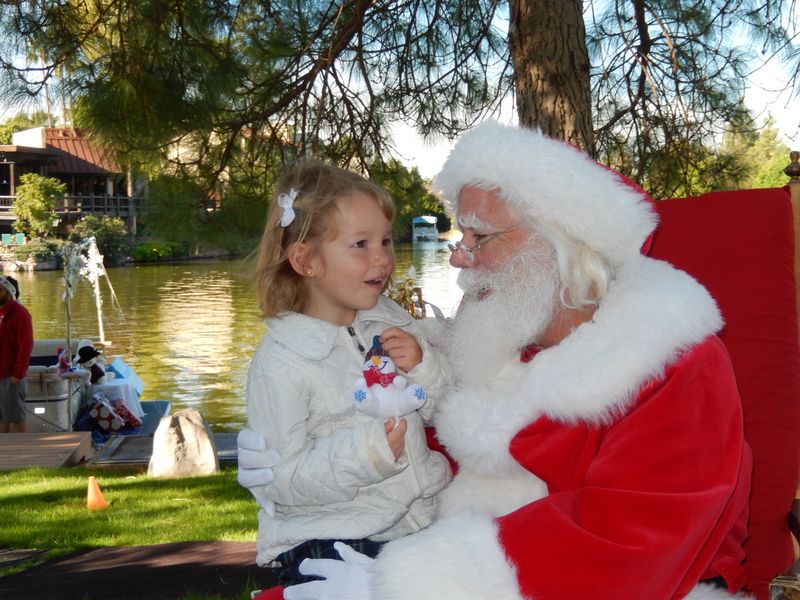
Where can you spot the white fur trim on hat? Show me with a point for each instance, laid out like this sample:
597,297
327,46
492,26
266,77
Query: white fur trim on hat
8,286
550,181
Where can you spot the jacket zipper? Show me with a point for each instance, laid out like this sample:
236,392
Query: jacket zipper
353,336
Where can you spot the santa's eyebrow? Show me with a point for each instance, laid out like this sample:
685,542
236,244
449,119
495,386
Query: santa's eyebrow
471,221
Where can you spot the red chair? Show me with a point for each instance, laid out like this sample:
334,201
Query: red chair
741,246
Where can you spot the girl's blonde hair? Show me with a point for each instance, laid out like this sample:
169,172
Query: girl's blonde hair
318,186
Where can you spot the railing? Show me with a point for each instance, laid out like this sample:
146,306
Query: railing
112,206
6,202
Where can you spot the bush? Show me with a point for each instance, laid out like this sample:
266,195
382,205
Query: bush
39,250
156,250
35,204
174,209
110,235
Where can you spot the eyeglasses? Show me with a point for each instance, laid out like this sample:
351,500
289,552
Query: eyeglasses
468,252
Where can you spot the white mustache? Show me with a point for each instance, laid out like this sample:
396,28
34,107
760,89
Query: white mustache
489,330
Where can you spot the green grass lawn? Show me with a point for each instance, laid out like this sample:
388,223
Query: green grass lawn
45,509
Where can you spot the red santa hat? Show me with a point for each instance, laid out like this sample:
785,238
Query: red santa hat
549,180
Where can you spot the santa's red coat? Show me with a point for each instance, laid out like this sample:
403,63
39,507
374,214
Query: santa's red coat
658,495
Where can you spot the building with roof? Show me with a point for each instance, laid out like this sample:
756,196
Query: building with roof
95,183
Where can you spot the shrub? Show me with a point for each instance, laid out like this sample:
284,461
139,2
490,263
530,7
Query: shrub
110,234
39,250
35,204
156,250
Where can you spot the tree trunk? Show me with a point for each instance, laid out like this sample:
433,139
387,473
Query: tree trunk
547,40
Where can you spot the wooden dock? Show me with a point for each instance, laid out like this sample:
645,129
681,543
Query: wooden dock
133,450
21,450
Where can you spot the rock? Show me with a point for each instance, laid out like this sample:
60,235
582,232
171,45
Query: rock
183,446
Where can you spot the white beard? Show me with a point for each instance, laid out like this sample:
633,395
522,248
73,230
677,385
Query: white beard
488,333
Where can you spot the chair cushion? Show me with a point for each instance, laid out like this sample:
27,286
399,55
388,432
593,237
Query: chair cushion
740,245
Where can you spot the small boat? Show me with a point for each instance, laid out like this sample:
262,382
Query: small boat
423,229
61,393
58,398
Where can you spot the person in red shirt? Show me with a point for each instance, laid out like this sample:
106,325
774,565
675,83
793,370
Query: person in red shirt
16,345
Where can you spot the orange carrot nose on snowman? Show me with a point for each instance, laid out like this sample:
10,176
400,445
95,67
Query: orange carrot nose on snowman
378,367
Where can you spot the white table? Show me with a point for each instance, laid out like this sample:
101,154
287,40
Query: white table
120,388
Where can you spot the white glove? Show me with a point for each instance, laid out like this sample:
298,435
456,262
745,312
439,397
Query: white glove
345,579
255,466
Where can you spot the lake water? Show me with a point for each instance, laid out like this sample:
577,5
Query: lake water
189,329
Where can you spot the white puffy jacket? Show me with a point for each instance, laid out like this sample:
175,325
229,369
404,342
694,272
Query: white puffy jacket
337,477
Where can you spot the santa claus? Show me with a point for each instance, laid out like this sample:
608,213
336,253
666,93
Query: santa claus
596,424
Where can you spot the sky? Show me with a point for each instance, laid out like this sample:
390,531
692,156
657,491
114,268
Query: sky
762,98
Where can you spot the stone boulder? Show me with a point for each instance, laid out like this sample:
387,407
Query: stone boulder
183,446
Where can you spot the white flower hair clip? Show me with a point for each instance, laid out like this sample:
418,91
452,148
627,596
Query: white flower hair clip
285,201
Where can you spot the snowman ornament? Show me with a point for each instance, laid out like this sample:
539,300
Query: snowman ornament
382,392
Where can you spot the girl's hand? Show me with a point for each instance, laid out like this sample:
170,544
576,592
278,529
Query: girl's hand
395,435
402,348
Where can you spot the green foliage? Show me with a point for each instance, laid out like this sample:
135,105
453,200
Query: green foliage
763,154
670,77
176,67
35,204
205,213
411,196
238,222
6,131
110,234
39,250
211,86
670,175
176,209
20,122
770,172
219,75
747,158
157,250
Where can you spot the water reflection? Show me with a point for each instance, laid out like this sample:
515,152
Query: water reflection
434,273
190,329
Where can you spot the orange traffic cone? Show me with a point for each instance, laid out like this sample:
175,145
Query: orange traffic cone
94,497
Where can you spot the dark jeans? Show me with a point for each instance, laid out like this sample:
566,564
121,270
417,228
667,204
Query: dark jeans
291,559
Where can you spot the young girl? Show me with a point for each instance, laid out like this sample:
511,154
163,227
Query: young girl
325,258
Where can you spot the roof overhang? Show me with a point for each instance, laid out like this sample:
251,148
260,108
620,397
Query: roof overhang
26,155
